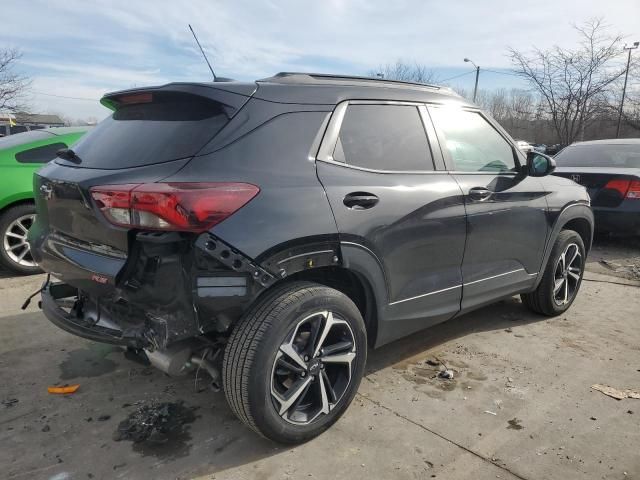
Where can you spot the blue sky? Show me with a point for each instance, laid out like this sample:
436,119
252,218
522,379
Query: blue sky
85,48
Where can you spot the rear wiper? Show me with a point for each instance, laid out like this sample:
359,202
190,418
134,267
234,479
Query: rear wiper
68,154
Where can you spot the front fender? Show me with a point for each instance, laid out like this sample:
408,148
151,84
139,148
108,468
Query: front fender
578,210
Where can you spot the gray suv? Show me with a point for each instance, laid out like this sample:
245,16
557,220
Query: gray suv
270,232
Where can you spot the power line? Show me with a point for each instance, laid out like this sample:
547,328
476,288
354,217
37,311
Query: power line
64,96
501,73
456,76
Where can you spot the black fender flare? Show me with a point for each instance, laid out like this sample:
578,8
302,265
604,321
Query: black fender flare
569,212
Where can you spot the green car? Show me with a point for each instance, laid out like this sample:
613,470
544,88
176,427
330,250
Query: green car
20,156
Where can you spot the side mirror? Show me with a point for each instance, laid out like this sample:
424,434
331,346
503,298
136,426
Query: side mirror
539,164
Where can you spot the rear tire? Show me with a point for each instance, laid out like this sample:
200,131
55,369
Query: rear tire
294,362
15,254
562,276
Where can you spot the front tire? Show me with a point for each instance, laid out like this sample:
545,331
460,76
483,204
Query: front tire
15,253
294,362
562,276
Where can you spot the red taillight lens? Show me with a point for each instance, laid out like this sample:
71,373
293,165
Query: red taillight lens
620,185
188,207
634,190
627,188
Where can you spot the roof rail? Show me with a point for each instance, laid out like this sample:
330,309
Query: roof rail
303,77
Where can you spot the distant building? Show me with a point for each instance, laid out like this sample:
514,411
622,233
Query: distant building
39,120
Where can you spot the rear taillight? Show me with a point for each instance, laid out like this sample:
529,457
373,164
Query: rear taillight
627,188
187,207
634,190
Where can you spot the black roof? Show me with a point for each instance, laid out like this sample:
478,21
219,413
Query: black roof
609,141
316,89
319,88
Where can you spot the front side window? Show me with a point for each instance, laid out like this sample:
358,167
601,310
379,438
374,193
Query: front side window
474,145
383,137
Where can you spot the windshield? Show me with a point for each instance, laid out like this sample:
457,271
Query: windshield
602,155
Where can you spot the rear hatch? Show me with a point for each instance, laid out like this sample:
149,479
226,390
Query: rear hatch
610,172
151,134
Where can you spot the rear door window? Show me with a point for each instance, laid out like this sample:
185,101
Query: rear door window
163,126
42,154
473,144
383,137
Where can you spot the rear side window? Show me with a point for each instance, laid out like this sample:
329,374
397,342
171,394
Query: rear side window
161,127
42,154
600,155
383,137
474,145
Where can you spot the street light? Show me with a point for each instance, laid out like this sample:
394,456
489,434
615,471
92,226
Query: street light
624,89
475,89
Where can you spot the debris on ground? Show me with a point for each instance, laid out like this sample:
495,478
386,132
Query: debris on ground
615,393
104,418
515,424
154,423
64,389
46,428
490,412
9,402
446,374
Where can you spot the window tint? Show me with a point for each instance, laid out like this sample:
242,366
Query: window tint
600,155
383,137
42,154
474,145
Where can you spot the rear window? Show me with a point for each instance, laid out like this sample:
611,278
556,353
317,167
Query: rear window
168,126
383,137
620,156
42,154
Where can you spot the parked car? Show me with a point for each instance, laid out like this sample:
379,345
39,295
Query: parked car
524,146
539,147
22,154
287,224
610,170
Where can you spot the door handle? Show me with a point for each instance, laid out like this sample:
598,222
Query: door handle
479,194
360,200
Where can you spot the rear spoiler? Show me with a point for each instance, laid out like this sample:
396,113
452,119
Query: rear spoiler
230,94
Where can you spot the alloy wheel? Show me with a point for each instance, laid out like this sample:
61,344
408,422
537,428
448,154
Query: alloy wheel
15,243
312,368
567,274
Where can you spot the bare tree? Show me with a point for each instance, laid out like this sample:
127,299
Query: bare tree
13,86
573,83
406,72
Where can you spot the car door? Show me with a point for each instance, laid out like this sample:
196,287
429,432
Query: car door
506,209
393,201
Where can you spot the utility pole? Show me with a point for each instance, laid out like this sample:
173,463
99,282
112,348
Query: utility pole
475,89
624,89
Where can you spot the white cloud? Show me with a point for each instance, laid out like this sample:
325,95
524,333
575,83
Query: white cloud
121,43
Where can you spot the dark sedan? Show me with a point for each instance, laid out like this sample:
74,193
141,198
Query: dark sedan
610,170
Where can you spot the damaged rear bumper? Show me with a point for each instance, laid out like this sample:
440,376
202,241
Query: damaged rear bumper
61,305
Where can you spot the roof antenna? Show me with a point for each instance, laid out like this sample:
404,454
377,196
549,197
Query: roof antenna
203,54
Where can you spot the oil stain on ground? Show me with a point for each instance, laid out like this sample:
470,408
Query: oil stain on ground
88,362
515,424
160,430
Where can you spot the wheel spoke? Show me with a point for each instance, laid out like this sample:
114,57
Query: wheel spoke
328,323
291,352
572,273
323,395
297,389
16,246
566,292
558,285
15,235
563,261
21,227
338,347
283,362
330,390
340,358
575,255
